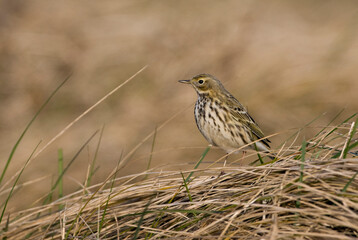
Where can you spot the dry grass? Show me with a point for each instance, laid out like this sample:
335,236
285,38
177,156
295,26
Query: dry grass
287,61
309,193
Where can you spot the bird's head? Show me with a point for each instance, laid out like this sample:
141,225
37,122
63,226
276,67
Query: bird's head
204,83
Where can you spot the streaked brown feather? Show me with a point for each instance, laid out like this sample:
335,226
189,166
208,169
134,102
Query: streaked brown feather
229,125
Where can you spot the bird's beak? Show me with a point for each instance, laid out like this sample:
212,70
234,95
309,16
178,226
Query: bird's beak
184,81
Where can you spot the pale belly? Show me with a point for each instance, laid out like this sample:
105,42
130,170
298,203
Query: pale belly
222,138
214,129
222,130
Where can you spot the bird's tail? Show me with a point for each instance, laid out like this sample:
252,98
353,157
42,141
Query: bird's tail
259,146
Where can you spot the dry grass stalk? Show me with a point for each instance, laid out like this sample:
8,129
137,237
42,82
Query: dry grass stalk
290,198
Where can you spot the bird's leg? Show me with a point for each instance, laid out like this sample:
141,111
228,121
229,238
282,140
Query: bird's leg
243,154
226,157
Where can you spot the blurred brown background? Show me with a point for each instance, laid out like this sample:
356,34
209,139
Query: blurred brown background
288,61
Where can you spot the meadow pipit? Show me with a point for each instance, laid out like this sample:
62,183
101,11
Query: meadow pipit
221,118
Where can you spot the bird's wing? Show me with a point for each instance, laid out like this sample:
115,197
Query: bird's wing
240,114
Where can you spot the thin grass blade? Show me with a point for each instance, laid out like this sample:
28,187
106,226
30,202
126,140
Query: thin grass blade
352,133
199,162
28,126
151,151
59,179
92,169
16,180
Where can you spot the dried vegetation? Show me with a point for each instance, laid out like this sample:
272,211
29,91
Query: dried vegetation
309,193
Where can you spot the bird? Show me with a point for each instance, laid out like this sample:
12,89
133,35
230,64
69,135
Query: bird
222,119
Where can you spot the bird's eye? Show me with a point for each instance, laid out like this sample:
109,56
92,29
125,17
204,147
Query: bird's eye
201,81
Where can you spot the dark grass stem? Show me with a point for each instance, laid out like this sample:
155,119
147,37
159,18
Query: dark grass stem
79,117
333,119
345,121
60,172
186,187
90,198
300,129
303,158
135,236
28,126
349,182
151,151
93,163
258,154
60,177
109,195
16,180
186,181
199,162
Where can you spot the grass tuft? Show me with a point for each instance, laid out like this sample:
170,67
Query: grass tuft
306,193
310,191
60,177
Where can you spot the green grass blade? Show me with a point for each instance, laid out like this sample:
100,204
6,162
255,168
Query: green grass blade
349,182
59,179
109,195
135,236
6,228
151,151
258,154
156,222
16,180
199,162
295,133
186,187
349,147
60,172
190,222
333,119
86,203
28,126
92,169
336,155
353,146
334,129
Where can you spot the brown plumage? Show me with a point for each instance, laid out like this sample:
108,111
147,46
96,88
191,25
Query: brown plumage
221,118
